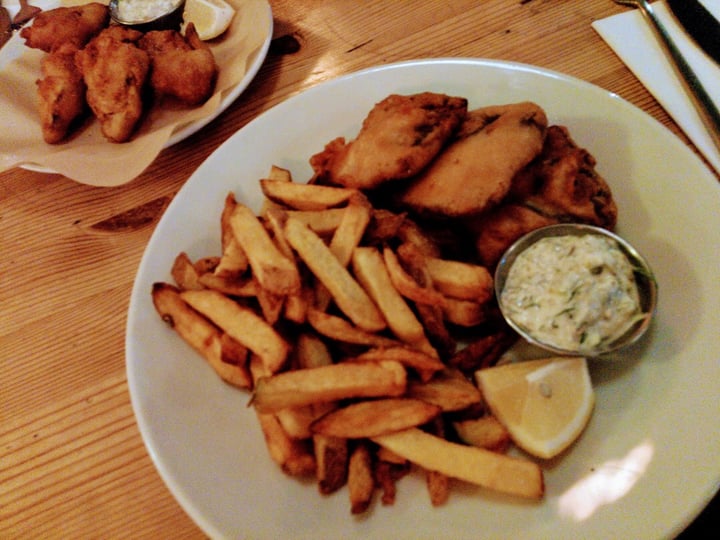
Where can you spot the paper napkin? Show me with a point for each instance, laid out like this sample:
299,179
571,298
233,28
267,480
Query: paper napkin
634,41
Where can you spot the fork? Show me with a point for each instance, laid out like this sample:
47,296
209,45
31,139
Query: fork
696,91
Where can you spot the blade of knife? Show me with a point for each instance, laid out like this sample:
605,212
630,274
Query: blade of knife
702,26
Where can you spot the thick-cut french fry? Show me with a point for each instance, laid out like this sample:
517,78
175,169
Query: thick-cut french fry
351,228
184,273
233,262
368,418
329,383
235,287
347,293
361,483
296,421
406,284
271,305
331,455
347,237
407,356
479,466
275,272
226,234
206,264
437,331
275,218
279,174
438,484
464,312
294,456
258,368
391,457
311,351
387,473
485,432
460,280
375,417
233,352
370,271
448,389
415,261
483,352
296,306
201,335
339,329
323,223
418,285
242,324
234,368
305,196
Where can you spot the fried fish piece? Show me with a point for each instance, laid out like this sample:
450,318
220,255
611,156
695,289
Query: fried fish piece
495,231
115,71
563,182
560,185
61,93
75,25
475,171
398,138
182,66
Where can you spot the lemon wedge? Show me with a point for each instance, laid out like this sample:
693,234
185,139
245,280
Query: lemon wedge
544,404
210,17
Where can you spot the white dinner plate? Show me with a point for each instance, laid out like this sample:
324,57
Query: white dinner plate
649,460
15,46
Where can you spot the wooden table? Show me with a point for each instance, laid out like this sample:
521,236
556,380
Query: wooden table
72,463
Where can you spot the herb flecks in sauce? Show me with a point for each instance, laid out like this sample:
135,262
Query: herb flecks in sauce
144,10
573,292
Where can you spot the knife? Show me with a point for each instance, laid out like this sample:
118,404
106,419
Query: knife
702,26
704,104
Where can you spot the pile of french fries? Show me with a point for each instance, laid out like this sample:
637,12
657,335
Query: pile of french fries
339,319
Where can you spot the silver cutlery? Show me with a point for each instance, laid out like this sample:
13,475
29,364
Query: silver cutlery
700,24
694,88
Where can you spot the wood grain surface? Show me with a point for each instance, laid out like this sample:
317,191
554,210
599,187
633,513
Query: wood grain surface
72,463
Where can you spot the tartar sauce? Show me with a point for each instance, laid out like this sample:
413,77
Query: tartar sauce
144,10
572,292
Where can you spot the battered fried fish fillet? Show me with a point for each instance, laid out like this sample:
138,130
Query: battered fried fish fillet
497,230
398,139
72,25
182,67
115,71
62,93
560,185
475,171
563,182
